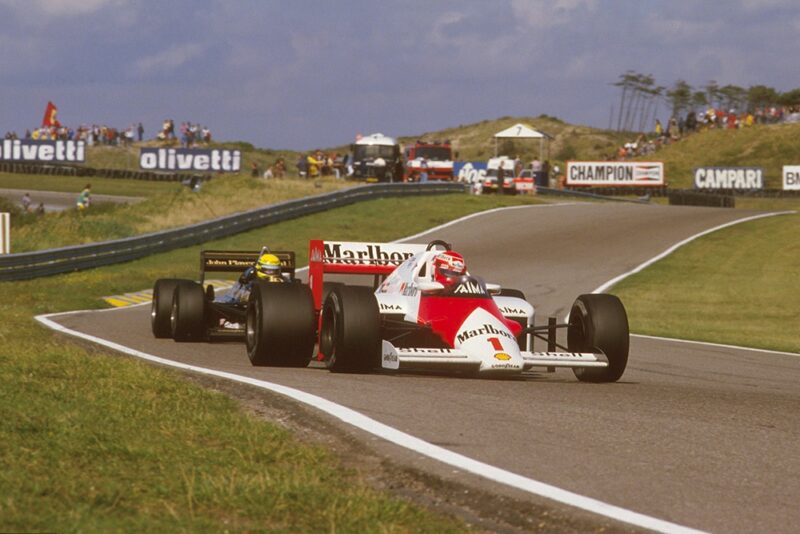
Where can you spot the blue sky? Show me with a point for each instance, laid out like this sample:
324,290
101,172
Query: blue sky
301,74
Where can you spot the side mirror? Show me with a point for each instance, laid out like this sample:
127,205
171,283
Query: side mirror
493,289
429,285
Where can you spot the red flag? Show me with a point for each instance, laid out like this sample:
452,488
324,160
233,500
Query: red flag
50,116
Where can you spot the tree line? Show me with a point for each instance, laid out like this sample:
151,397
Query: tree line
641,97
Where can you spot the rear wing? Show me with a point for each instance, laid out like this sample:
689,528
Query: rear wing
236,261
349,257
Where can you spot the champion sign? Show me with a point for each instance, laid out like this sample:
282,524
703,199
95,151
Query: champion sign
639,173
729,178
43,151
791,177
190,159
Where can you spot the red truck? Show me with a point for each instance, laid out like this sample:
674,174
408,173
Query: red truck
434,158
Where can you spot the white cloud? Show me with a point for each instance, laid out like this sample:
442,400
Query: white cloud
547,13
168,59
58,8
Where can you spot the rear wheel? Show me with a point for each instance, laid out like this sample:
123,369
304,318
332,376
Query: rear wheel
599,323
188,315
281,326
161,308
350,334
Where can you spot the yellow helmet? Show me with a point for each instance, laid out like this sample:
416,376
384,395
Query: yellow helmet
267,266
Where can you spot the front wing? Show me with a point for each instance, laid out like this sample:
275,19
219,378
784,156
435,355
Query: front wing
396,358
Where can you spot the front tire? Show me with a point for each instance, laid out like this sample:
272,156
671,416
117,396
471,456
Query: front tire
188,315
281,325
350,336
599,323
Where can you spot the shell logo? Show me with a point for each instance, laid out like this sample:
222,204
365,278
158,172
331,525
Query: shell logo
502,356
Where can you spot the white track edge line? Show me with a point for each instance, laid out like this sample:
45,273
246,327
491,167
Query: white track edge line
402,439
614,281
720,345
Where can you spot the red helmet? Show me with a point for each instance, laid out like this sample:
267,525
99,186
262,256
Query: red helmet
448,267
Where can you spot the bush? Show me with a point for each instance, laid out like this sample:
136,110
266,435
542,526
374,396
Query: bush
567,152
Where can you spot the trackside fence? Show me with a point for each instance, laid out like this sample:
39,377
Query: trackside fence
28,265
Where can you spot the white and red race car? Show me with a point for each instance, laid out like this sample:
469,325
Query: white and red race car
410,320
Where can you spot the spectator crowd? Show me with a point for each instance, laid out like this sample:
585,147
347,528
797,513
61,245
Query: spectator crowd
678,127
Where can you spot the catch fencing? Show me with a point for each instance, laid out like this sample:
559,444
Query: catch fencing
28,265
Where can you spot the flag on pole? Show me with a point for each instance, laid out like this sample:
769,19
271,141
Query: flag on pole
50,116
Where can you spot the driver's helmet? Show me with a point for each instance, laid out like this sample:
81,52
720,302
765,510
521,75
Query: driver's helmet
268,266
448,267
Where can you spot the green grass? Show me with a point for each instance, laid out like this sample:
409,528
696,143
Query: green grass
75,184
175,206
736,286
766,146
92,442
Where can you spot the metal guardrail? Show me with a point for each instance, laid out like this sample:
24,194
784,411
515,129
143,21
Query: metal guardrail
28,265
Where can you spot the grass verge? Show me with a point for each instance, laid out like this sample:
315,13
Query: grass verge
96,443
736,286
172,207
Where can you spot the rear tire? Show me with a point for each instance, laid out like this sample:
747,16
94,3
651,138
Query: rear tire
599,323
161,308
281,325
350,336
188,315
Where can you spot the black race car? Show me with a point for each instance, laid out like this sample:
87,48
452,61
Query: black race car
184,311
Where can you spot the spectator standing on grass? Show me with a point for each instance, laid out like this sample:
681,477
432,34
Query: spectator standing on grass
40,209
302,166
255,172
314,165
140,131
26,202
84,199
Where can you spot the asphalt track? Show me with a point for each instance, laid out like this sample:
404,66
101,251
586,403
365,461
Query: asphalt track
59,201
706,437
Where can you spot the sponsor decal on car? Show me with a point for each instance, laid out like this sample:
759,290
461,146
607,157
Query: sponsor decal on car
486,329
391,307
502,356
508,310
505,366
368,253
469,288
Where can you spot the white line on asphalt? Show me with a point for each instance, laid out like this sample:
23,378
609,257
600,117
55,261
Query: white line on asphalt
400,438
611,283
720,345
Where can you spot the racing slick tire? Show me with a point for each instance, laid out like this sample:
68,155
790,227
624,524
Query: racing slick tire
161,307
350,336
188,315
280,329
598,322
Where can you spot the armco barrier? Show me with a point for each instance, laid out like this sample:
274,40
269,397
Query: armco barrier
29,265
684,197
